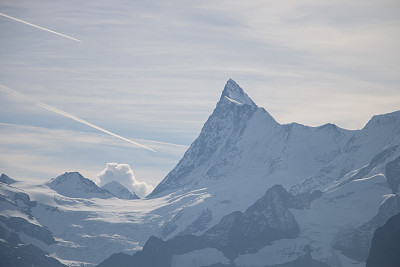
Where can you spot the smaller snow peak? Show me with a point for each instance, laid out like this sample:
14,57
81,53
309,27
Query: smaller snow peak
113,184
328,127
119,190
73,184
6,180
234,94
68,176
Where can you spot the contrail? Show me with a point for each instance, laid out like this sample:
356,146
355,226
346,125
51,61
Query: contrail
163,143
36,26
68,115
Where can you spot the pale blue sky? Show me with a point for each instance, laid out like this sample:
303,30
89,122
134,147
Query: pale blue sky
155,70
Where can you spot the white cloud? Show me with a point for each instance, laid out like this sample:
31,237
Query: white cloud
123,174
181,58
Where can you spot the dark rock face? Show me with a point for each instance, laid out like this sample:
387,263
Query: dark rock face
385,249
117,259
199,224
268,219
355,243
13,253
303,200
23,201
392,173
21,225
18,200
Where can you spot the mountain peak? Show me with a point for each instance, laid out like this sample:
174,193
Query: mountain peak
68,176
73,184
119,190
234,93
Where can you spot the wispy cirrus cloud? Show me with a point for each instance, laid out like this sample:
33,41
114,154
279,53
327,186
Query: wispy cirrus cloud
154,69
42,153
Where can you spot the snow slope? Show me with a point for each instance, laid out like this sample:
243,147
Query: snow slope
87,230
20,232
245,238
240,153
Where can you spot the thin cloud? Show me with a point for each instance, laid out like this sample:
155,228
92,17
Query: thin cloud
68,115
42,153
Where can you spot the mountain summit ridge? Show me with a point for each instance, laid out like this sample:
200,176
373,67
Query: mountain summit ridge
235,94
239,135
221,130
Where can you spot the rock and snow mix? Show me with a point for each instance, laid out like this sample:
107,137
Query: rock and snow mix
223,196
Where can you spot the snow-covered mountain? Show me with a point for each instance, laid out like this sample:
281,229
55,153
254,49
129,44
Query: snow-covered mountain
280,229
119,190
248,192
242,151
78,231
241,141
73,184
19,230
268,219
